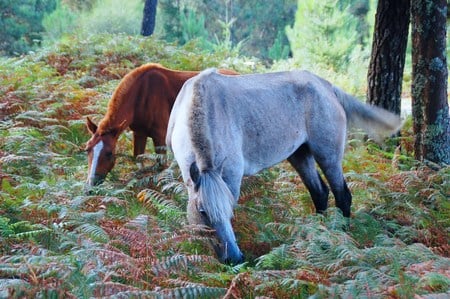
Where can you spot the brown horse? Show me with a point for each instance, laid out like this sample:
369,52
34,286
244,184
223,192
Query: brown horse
142,101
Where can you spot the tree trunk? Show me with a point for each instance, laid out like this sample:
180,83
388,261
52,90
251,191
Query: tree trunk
148,20
429,75
388,54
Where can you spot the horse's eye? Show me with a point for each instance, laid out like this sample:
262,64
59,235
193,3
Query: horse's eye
109,155
202,211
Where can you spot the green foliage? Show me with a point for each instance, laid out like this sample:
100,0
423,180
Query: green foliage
326,39
279,50
59,22
92,17
255,28
113,16
193,26
169,15
21,24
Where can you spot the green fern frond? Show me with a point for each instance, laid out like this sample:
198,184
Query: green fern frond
251,187
171,182
140,222
167,209
156,158
169,238
177,282
6,229
190,234
109,288
79,201
279,258
179,262
32,233
194,292
299,286
137,294
239,268
174,187
8,285
156,198
435,282
93,231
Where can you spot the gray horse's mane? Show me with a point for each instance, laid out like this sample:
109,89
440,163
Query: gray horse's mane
200,135
214,197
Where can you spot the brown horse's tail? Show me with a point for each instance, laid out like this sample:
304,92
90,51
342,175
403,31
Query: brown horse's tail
377,122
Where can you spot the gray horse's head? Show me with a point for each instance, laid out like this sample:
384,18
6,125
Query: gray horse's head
211,204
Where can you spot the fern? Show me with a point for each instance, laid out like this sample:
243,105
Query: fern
278,258
193,292
136,294
6,229
185,292
178,261
111,289
164,206
95,232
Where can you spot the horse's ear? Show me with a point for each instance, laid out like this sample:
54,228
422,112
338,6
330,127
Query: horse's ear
90,125
194,172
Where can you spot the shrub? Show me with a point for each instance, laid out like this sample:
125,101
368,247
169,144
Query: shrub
325,40
21,25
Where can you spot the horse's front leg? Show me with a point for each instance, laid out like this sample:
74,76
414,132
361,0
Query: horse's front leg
139,142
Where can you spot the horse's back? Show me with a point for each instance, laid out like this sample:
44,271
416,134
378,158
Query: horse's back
262,117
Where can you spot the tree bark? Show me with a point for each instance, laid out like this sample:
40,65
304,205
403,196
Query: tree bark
429,75
387,61
149,18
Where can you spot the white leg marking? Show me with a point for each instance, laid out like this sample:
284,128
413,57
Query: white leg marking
96,154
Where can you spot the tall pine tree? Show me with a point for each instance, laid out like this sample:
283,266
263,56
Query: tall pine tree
430,79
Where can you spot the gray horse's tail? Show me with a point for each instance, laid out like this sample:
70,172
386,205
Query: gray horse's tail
377,122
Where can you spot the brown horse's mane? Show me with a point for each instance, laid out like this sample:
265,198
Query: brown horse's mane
111,120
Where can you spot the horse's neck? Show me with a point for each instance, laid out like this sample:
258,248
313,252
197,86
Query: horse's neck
116,121
182,77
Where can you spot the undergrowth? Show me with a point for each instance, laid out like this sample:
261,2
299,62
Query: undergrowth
129,237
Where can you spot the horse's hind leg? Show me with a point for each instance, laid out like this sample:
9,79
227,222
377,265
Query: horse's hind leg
303,162
330,163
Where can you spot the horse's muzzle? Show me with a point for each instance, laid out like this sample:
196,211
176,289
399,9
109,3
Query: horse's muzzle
227,249
95,180
233,257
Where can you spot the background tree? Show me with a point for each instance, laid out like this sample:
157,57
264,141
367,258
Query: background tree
430,75
387,61
21,23
148,19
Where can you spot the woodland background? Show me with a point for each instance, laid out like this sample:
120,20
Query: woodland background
61,61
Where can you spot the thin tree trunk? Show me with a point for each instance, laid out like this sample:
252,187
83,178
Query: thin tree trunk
429,88
149,18
387,61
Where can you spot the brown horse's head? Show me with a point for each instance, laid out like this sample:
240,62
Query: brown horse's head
101,152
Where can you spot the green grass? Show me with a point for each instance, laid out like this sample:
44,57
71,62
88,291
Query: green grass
130,238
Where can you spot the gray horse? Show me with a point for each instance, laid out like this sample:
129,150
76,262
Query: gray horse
224,127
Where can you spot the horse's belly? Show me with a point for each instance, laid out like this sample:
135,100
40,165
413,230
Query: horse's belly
264,156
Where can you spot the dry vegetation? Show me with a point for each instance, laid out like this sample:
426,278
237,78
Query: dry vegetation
129,238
